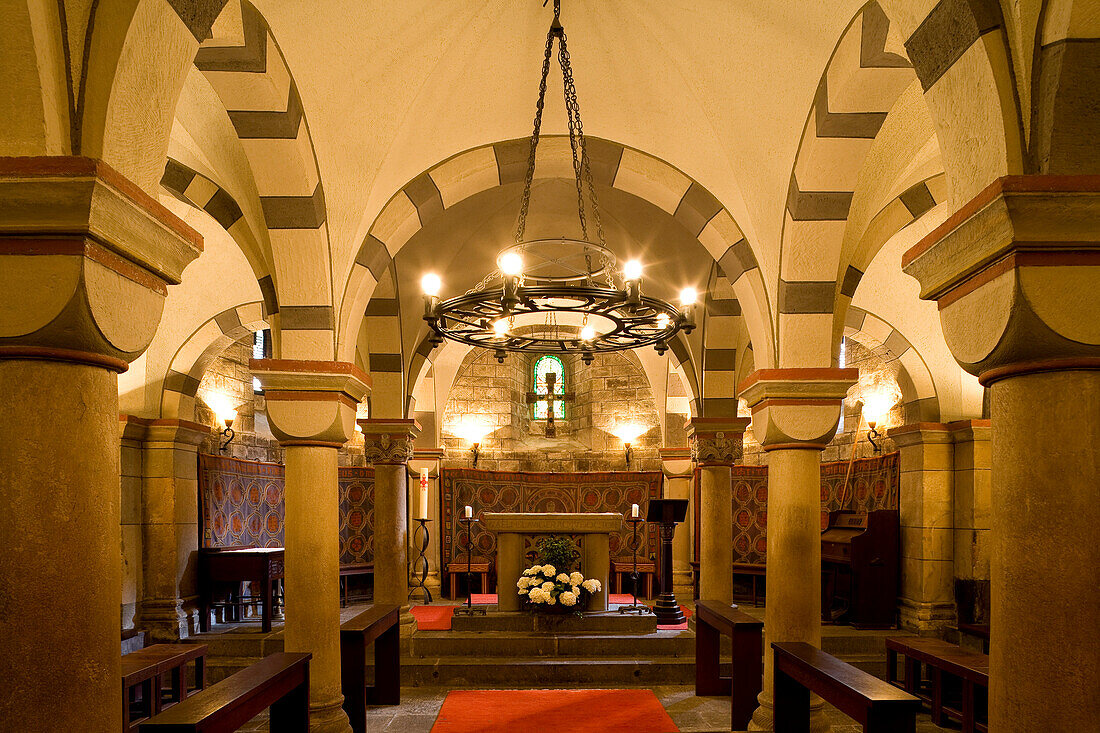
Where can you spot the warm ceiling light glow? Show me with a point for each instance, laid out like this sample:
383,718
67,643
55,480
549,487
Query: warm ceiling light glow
511,263
876,405
501,327
632,270
588,333
688,296
431,284
629,432
662,321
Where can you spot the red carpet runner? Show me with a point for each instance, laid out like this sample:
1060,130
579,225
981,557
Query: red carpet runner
576,711
438,618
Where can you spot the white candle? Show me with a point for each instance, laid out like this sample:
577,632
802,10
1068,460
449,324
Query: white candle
633,511
469,512
422,497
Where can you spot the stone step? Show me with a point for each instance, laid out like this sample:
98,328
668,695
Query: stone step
612,623
495,672
523,645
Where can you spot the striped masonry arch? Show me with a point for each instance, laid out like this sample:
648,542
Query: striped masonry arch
252,79
195,189
181,380
860,84
918,390
721,339
489,166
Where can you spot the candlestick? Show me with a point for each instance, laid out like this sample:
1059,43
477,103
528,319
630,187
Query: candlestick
422,496
634,511
468,512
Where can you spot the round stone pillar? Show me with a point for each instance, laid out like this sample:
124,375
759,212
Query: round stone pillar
1015,274
388,446
794,416
85,261
311,409
716,444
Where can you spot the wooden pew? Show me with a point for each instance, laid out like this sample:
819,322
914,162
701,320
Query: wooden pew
713,618
755,572
802,668
378,624
147,668
970,671
279,681
347,572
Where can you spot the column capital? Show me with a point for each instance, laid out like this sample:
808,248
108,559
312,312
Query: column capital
965,431
86,258
168,430
716,441
920,433
1015,274
676,462
311,403
796,408
389,440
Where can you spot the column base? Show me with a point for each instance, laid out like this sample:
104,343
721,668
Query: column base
163,621
328,716
925,617
764,716
406,622
683,586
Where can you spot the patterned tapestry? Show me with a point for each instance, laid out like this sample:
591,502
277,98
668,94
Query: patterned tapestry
874,484
506,491
241,504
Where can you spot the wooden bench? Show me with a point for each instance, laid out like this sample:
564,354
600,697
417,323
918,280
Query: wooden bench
713,618
349,570
378,624
479,566
146,669
802,668
279,681
624,566
962,696
755,572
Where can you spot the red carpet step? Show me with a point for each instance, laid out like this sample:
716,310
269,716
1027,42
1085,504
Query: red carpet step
577,711
438,618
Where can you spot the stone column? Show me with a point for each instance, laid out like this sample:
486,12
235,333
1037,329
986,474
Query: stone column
676,465
973,484
925,508
85,261
431,460
311,410
388,446
716,444
794,416
169,529
1016,273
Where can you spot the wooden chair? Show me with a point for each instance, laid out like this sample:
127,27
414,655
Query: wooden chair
622,567
378,624
713,618
802,668
347,572
957,684
755,572
279,681
479,566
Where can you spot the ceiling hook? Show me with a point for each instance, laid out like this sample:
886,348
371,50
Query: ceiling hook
555,25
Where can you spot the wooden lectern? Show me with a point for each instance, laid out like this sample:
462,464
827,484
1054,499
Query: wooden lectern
667,512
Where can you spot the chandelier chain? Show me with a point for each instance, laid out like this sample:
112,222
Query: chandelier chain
572,114
525,204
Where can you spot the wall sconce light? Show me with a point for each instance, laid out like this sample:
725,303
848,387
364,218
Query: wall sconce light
474,431
225,412
875,406
629,433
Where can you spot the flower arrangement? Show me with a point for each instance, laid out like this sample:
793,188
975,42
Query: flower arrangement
545,587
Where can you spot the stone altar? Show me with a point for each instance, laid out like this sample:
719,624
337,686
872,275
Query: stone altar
595,549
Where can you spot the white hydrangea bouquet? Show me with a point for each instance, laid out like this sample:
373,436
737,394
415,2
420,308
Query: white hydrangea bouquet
544,588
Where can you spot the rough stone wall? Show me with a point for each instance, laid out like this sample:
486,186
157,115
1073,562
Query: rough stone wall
612,390
229,374
873,370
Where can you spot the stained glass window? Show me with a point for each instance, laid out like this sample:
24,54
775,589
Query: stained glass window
543,365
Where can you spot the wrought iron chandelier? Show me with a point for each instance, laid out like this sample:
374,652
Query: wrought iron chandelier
558,295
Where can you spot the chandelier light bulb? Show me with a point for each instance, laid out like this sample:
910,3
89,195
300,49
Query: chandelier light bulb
511,264
662,321
632,270
500,327
431,284
588,333
688,296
